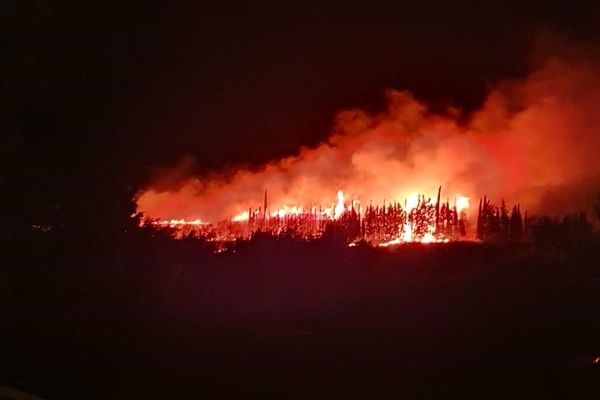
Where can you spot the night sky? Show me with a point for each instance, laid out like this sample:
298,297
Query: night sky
97,97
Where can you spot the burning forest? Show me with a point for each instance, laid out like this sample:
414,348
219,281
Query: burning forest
416,220
533,141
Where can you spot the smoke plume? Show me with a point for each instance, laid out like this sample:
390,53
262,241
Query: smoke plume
534,141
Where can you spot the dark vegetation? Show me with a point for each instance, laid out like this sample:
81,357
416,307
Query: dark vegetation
139,315
497,225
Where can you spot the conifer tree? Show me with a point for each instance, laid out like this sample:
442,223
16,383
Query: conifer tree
504,221
516,224
480,223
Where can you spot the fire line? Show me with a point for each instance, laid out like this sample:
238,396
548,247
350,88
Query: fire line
420,219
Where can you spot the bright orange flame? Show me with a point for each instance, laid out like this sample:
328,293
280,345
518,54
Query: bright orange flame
244,216
339,207
407,234
462,203
412,201
428,238
285,210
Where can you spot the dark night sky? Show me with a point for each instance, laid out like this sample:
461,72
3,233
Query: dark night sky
97,95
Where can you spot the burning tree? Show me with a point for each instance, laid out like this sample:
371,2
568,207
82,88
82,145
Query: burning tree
419,220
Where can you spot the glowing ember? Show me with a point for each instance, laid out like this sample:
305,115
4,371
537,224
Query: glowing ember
174,223
391,242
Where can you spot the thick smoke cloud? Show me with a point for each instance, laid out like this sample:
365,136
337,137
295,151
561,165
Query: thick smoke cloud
535,141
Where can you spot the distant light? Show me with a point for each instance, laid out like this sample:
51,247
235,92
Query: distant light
42,228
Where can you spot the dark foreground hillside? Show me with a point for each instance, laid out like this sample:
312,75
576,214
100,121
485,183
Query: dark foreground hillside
137,317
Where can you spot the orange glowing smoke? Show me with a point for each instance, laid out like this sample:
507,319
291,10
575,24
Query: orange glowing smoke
533,141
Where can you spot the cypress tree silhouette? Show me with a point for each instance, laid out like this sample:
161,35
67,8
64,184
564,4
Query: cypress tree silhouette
504,222
480,223
516,224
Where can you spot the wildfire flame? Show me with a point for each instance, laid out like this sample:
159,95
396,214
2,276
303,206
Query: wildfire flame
175,223
462,204
339,207
420,220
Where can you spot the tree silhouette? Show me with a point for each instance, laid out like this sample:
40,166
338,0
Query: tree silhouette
516,224
504,221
